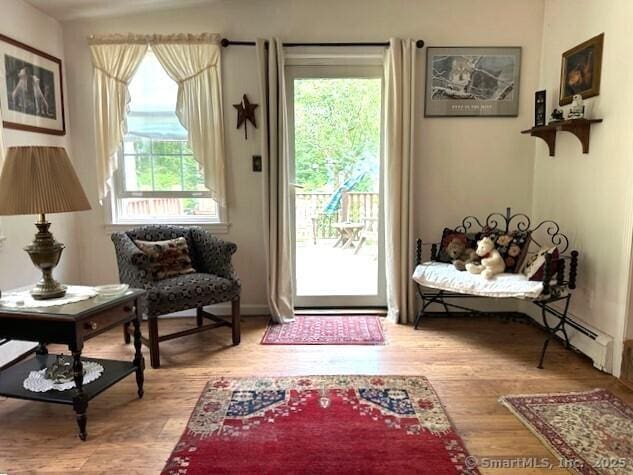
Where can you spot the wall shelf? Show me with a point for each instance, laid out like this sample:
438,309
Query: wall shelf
579,127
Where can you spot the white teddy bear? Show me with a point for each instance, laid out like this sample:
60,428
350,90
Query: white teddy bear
491,261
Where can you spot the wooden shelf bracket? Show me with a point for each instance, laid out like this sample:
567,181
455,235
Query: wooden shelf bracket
579,127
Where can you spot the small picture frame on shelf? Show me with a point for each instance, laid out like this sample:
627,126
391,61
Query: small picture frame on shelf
539,108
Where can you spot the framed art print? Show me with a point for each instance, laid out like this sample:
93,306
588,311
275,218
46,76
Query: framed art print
31,88
472,81
581,69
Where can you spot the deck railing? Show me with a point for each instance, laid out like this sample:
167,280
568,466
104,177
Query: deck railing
313,224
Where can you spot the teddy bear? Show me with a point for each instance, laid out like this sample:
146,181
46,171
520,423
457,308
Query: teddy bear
491,261
460,255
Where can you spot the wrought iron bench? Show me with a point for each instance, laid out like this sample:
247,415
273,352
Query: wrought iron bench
553,299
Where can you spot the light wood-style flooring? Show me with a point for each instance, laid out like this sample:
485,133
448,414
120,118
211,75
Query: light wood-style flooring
469,361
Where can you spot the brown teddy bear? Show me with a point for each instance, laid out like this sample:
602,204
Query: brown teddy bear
460,255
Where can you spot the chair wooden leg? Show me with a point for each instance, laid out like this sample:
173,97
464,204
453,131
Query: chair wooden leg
154,352
199,318
126,333
235,320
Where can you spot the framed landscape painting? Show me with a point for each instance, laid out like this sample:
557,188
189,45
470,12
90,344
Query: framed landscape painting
472,81
580,70
30,89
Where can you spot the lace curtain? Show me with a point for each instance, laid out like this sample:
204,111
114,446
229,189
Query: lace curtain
114,65
193,61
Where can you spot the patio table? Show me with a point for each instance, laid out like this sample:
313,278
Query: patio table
347,234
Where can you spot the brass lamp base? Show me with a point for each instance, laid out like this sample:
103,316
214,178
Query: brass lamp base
45,253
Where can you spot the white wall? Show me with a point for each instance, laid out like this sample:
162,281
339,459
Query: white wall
24,23
592,195
463,166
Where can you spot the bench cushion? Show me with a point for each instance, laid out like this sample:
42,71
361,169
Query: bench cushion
438,275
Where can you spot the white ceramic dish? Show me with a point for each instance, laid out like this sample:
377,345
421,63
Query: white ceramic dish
111,290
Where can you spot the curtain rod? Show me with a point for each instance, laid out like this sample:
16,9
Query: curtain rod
226,42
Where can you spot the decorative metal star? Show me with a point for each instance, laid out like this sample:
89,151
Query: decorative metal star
245,112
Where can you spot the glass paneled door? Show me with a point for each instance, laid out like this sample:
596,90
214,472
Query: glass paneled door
335,119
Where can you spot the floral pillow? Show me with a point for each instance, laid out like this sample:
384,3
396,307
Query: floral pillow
534,268
167,258
513,247
469,239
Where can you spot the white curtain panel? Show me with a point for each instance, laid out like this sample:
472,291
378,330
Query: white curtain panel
115,60
1,164
399,120
276,178
193,61
1,143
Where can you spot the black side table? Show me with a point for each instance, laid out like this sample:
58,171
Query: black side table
72,324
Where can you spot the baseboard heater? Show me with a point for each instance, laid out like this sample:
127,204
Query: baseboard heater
589,341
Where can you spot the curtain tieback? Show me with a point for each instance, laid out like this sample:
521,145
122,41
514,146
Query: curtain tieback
196,74
106,73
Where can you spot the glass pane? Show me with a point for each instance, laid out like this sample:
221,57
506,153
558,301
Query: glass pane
167,173
136,145
147,208
337,164
193,178
138,173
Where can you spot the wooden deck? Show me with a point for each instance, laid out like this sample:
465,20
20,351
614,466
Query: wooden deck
470,362
327,270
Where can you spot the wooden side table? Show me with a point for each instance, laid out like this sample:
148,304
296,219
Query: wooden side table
72,324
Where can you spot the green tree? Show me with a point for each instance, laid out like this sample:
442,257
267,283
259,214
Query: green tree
337,131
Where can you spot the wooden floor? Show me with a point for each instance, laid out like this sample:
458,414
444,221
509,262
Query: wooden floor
470,362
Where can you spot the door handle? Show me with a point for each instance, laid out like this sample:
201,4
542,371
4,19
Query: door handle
296,185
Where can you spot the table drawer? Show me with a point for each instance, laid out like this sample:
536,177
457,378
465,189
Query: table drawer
95,324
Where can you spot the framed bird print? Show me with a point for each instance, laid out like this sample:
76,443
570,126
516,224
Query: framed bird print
31,89
581,69
472,81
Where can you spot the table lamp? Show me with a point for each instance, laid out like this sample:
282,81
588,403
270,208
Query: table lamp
41,180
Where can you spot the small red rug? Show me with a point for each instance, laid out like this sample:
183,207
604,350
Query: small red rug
591,432
319,425
326,330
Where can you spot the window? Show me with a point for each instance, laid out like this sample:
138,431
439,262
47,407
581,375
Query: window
158,178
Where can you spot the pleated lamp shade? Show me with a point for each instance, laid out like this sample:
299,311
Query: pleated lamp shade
40,180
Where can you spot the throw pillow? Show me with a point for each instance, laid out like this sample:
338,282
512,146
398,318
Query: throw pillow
469,239
167,258
513,247
534,268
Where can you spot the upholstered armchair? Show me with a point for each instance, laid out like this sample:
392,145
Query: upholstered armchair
214,281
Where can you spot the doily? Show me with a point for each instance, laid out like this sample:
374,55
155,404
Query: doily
37,383
23,299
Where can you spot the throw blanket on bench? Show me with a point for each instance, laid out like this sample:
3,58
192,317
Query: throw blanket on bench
441,276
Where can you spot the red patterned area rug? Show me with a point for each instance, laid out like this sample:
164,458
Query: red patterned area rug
590,432
326,330
319,425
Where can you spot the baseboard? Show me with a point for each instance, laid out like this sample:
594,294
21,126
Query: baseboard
595,344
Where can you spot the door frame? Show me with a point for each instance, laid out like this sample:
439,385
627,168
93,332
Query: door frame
333,68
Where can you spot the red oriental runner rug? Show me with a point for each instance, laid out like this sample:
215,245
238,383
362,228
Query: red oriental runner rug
319,425
326,330
591,432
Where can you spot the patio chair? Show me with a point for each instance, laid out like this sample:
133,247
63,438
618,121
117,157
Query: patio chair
213,282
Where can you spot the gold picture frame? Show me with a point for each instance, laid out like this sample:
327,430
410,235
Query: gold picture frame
580,71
